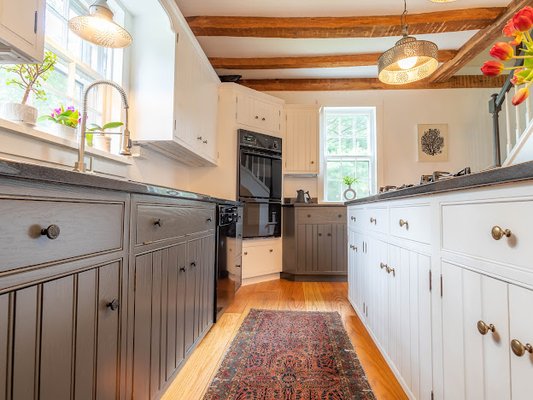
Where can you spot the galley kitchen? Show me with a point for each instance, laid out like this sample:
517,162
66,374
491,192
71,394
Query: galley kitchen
226,200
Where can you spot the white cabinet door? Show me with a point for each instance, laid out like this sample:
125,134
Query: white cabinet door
261,257
22,26
258,114
521,329
301,140
475,366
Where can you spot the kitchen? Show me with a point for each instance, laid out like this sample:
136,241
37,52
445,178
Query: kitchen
228,200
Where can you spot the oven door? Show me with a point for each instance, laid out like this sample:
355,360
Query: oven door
262,218
259,174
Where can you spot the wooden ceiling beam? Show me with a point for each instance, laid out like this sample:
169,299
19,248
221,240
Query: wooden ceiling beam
333,61
478,43
343,27
456,82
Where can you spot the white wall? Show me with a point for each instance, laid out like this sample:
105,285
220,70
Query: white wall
398,113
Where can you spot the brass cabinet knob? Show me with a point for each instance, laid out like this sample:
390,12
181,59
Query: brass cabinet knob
257,117
52,232
271,250
520,349
373,220
381,265
263,119
245,253
404,223
498,232
483,328
312,162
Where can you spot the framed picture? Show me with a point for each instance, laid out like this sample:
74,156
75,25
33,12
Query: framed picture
433,142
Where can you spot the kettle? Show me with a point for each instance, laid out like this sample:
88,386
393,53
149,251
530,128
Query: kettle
303,196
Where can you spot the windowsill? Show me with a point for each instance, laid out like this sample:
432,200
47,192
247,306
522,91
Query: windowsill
46,137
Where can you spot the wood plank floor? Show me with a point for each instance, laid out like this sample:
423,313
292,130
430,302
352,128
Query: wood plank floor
194,378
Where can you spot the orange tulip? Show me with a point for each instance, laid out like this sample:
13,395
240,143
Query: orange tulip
503,51
492,68
520,96
509,29
518,79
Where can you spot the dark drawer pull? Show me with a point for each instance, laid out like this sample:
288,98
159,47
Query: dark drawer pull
193,265
329,234
237,266
158,222
208,220
182,269
52,232
319,234
113,306
308,215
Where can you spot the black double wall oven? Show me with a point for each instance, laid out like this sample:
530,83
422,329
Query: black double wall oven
260,183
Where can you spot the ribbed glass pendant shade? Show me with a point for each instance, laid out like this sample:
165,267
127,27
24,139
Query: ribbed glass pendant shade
410,60
99,28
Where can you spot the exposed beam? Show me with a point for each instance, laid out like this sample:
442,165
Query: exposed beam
334,61
478,43
456,82
343,27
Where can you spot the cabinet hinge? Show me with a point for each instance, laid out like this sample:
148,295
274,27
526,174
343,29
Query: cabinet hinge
441,286
430,281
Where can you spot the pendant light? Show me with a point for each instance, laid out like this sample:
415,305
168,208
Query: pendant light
98,27
410,60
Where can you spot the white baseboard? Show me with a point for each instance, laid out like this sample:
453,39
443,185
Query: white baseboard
259,279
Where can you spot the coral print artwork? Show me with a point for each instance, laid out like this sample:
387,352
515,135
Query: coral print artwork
433,142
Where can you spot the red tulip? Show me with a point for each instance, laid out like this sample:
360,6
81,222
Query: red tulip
518,38
523,19
518,79
520,96
502,51
509,29
492,68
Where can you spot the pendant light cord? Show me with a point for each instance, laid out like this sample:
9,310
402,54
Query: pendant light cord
403,19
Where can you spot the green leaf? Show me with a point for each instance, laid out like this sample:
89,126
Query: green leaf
45,118
95,128
111,125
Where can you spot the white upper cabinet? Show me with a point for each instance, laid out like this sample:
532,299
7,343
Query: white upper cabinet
301,140
22,31
258,111
174,88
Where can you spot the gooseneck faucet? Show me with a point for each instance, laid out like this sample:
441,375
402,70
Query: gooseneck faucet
125,142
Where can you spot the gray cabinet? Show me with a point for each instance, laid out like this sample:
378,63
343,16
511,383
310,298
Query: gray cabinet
314,243
171,289
62,313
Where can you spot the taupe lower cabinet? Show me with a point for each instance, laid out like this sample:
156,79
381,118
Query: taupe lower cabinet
173,288
62,297
103,294
314,243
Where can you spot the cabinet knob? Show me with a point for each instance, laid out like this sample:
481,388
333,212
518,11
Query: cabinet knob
238,266
483,328
257,117
271,250
391,271
353,219
329,234
182,269
52,232
209,220
245,253
158,222
205,141
308,215
113,305
263,119
193,264
520,349
381,265
320,234
404,223
199,138
498,232
312,162
373,220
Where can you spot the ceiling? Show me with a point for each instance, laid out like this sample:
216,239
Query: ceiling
268,47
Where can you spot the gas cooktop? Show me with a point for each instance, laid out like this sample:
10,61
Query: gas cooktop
425,179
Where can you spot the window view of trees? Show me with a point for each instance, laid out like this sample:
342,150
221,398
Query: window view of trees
349,139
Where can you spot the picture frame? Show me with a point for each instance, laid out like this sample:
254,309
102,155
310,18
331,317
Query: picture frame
432,142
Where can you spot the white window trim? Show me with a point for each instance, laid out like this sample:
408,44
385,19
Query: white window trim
374,172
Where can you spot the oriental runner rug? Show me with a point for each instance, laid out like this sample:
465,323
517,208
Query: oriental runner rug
287,355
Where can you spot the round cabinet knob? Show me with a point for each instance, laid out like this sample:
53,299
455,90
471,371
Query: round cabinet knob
312,162
193,264
113,305
182,269
245,253
208,220
483,328
52,232
271,250
263,119
308,215
329,234
404,223
520,349
381,265
391,270
340,215
257,117
158,222
498,232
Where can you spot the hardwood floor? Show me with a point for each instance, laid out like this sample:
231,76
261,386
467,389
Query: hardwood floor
194,378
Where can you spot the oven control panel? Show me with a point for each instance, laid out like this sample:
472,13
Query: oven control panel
259,141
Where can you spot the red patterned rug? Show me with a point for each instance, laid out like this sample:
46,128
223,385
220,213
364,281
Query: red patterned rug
286,355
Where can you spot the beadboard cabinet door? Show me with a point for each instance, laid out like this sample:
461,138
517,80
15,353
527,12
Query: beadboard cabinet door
301,140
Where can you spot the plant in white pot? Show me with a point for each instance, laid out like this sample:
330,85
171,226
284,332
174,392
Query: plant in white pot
97,137
66,121
29,78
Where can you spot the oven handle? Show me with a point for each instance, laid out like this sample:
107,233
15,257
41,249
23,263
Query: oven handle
273,156
262,201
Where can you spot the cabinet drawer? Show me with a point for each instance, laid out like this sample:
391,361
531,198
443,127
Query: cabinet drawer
159,222
84,229
263,259
467,229
320,215
411,222
376,219
356,218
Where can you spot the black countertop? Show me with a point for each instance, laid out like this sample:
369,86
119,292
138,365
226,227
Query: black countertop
54,175
313,205
496,176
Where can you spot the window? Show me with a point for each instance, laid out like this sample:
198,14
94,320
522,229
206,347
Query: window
79,63
348,149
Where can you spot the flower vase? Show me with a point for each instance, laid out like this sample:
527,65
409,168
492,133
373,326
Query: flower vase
19,113
102,142
349,194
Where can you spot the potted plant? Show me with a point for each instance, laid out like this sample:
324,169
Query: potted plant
29,78
65,120
349,194
98,139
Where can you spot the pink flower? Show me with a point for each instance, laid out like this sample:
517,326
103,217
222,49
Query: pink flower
520,96
523,19
492,68
71,108
503,51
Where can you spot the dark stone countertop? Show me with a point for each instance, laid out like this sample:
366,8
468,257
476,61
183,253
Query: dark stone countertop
40,173
496,176
313,205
